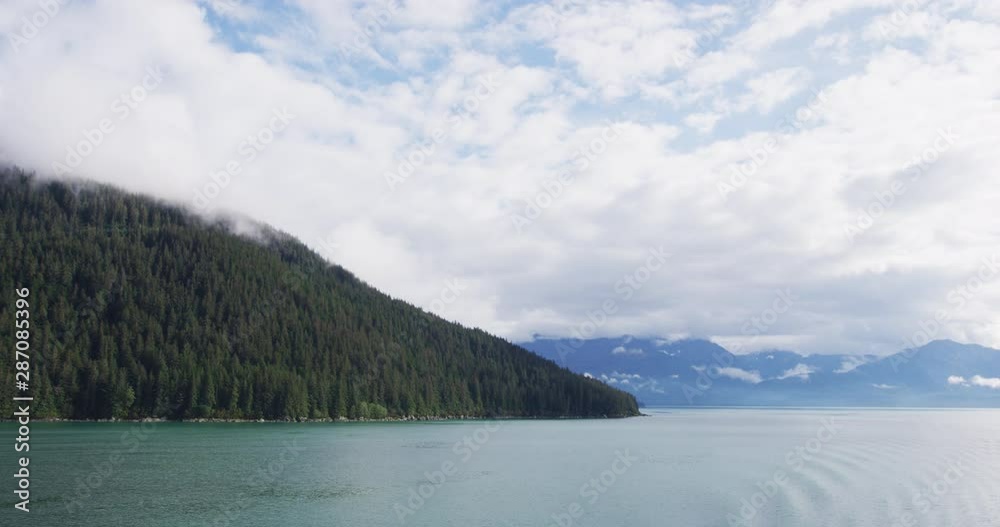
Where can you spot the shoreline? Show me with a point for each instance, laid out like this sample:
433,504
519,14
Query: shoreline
324,420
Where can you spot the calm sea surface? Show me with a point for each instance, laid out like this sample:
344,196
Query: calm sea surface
715,467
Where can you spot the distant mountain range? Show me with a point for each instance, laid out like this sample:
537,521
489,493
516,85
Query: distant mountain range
702,373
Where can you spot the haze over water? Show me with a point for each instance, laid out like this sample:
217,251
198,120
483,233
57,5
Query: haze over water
677,467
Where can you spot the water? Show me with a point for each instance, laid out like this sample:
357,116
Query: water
678,467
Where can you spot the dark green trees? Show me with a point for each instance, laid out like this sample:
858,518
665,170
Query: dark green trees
139,309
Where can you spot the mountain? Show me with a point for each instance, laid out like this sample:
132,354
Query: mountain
700,372
139,309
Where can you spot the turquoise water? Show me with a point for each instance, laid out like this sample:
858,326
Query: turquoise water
676,467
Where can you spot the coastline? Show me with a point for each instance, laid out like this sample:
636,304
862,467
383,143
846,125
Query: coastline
326,420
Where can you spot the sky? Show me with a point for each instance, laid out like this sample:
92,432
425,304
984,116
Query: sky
807,175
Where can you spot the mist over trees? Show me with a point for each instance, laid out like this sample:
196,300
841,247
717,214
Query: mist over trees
139,309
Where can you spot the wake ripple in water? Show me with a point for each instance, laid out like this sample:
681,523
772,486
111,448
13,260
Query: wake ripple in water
917,477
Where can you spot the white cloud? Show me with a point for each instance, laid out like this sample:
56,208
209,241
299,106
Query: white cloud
987,9
440,13
752,377
903,24
976,380
633,382
800,371
788,18
704,123
835,45
613,45
773,88
622,350
232,9
322,179
986,382
851,363
884,386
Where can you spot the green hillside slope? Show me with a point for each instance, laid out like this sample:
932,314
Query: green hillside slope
139,309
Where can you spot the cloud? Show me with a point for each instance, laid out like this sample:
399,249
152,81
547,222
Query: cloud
787,18
800,371
884,386
767,91
976,380
852,363
612,44
703,122
986,382
632,382
622,350
836,45
535,146
440,14
752,377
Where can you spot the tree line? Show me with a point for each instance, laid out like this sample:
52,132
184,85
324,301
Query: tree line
140,309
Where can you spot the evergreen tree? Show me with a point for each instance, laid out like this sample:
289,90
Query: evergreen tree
140,309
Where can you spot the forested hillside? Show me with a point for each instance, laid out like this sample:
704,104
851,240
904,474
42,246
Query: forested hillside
139,309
